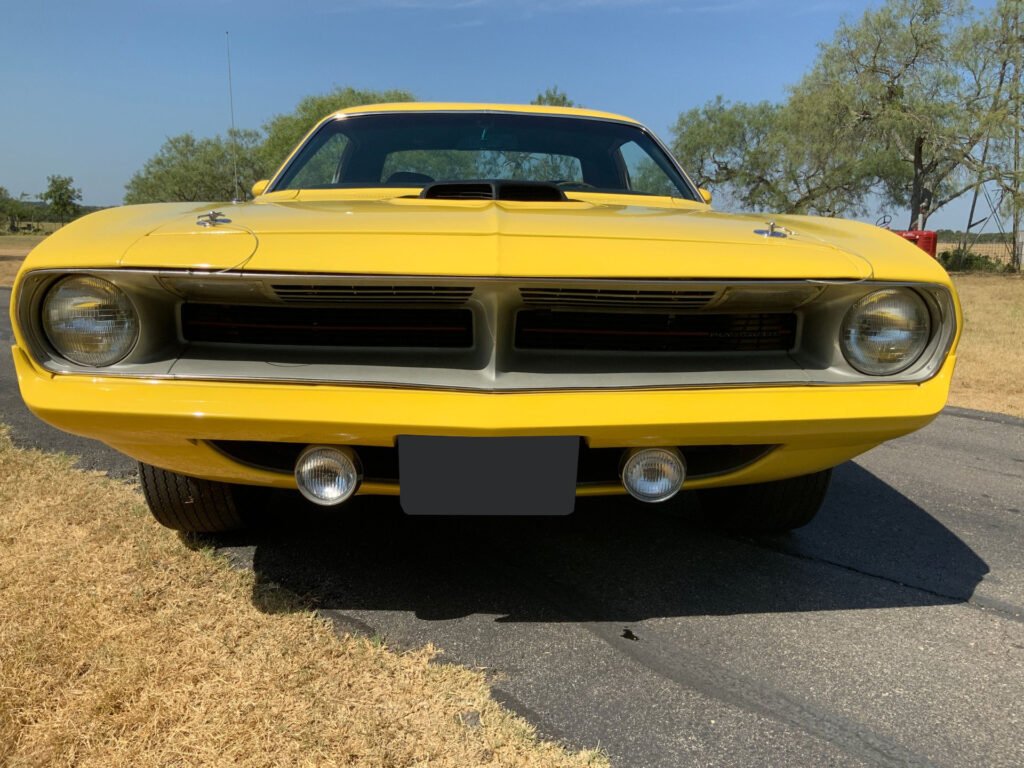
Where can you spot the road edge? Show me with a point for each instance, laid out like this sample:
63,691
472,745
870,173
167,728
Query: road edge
975,415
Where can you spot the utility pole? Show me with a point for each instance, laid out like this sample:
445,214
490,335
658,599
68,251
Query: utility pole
1004,66
1018,114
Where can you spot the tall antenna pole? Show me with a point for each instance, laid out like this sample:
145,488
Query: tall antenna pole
233,138
1018,114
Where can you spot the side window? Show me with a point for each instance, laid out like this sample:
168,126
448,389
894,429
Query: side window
322,166
645,176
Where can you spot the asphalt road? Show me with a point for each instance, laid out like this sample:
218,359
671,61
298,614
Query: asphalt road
888,632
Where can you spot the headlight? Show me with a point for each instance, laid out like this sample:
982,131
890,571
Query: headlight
90,321
886,331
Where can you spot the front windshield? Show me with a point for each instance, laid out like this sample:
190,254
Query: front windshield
413,149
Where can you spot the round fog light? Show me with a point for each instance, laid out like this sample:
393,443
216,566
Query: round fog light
327,475
653,474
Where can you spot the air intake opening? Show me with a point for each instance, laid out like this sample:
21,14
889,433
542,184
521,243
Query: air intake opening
552,329
313,326
528,191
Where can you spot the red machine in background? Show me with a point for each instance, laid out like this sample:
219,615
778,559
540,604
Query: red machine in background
924,239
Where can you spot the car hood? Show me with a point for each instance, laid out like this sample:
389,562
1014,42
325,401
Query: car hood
409,236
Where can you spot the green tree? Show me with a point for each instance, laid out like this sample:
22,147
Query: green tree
897,104
554,97
62,197
187,169
917,82
1000,159
7,210
284,132
18,210
762,157
722,146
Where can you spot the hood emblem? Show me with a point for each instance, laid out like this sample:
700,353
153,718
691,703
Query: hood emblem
212,219
774,230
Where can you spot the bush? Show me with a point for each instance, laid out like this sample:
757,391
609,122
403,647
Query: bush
966,260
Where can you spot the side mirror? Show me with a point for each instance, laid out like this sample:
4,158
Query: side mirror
705,195
260,187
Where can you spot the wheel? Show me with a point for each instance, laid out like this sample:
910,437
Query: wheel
774,507
188,503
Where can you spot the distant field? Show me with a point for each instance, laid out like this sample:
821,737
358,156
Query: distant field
19,245
13,249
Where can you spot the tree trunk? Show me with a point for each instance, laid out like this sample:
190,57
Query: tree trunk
917,191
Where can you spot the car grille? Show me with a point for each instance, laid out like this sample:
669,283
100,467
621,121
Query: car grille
494,334
653,332
392,327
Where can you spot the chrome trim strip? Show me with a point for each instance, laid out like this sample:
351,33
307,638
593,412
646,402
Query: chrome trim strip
874,381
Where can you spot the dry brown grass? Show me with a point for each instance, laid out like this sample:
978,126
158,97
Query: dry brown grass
990,370
121,647
13,249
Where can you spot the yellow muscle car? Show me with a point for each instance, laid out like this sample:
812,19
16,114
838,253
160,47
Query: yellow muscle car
483,309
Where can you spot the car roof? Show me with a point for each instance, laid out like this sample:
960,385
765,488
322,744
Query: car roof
439,106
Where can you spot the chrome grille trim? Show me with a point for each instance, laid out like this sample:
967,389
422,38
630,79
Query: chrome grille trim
327,293
618,298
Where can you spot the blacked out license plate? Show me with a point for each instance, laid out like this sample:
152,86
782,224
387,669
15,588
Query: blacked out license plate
487,475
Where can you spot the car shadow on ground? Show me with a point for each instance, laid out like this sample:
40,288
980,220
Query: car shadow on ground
612,560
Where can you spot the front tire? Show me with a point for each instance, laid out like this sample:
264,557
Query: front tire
189,504
766,508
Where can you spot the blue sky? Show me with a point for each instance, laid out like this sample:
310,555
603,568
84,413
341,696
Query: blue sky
92,89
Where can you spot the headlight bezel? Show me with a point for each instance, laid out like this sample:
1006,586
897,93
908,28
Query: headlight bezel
915,303
84,360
